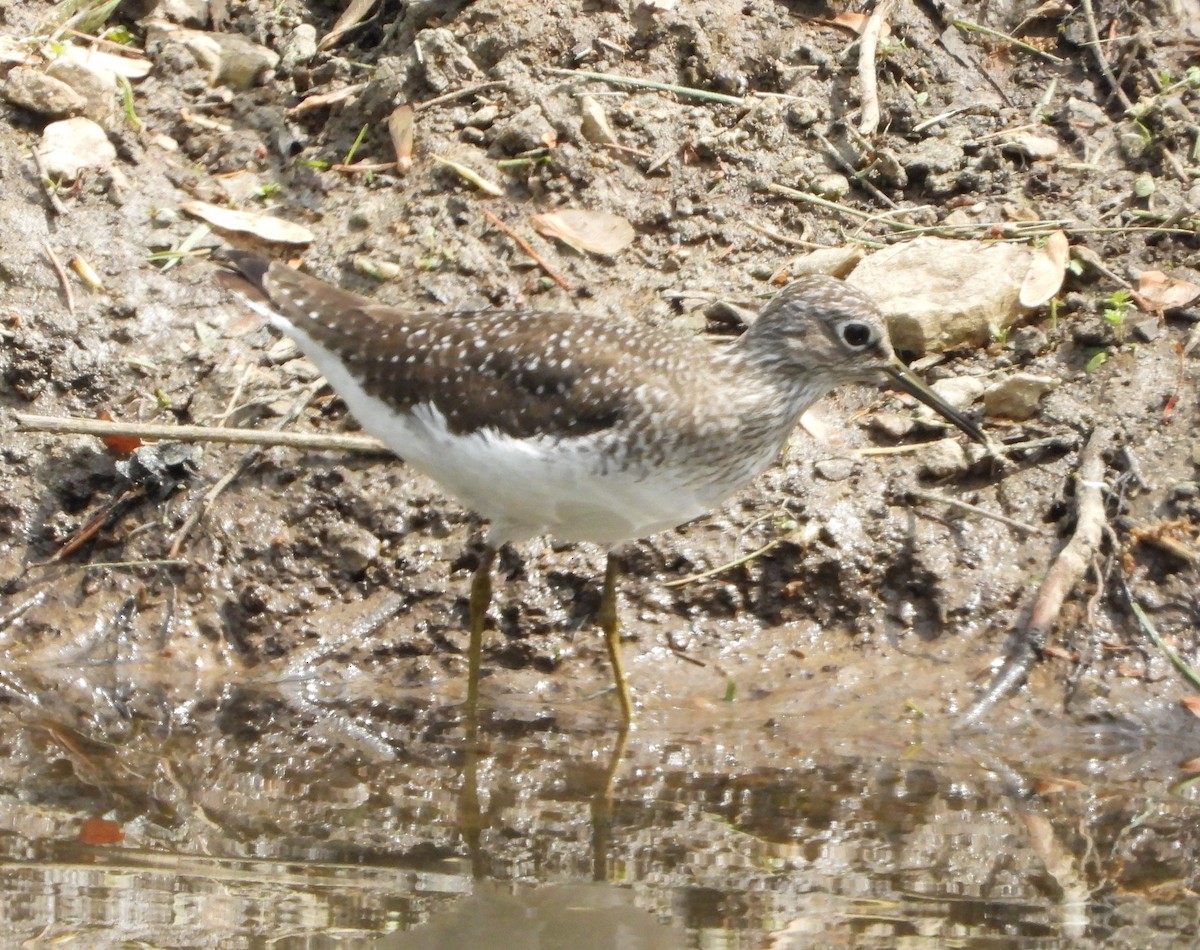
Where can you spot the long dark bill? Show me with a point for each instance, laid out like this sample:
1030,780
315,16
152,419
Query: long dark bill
900,377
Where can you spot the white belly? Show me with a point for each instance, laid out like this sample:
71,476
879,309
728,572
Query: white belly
527,487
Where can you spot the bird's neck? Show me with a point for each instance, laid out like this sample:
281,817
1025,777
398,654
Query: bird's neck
770,386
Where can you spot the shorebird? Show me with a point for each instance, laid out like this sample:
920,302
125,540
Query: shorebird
587,430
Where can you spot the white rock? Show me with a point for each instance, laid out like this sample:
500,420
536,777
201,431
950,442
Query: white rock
937,293
1017,396
71,145
45,95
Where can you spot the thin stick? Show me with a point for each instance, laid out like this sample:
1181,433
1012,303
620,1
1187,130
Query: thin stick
975,509
853,172
145,430
988,31
48,185
528,249
62,276
249,457
1101,61
363,167
867,45
459,94
729,565
1065,572
616,80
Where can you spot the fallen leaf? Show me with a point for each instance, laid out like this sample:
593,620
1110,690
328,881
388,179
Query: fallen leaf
599,232
595,126
857,22
130,67
118,444
264,226
356,11
469,174
100,831
1046,271
1191,765
1158,292
1191,704
322,99
400,128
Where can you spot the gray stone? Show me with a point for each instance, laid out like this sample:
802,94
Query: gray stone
525,131
1017,396
299,47
97,87
938,293
944,459
42,94
834,470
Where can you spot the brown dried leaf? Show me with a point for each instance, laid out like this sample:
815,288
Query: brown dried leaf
100,831
1159,292
400,128
1191,704
266,227
320,100
356,11
599,232
1191,765
857,22
118,444
1046,272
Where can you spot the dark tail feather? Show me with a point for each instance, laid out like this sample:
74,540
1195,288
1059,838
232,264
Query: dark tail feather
243,273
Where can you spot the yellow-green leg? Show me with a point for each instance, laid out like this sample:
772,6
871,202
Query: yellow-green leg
612,634
481,599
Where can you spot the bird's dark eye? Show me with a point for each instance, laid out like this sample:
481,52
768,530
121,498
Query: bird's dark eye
856,334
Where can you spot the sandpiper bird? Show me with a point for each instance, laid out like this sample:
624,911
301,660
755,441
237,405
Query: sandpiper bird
561,424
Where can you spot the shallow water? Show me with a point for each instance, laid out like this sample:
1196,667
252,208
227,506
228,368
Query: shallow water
278,815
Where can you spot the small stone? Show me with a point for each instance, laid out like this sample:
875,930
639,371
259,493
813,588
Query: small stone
229,58
183,12
959,391
1029,342
353,546
834,470
1147,329
895,425
41,93
377,269
484,117
944,459
97,87
298,48
526,130
1017,397
832,186
71,145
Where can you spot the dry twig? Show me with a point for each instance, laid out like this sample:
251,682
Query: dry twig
145,430
528,249
62,276
867,45
1065,572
